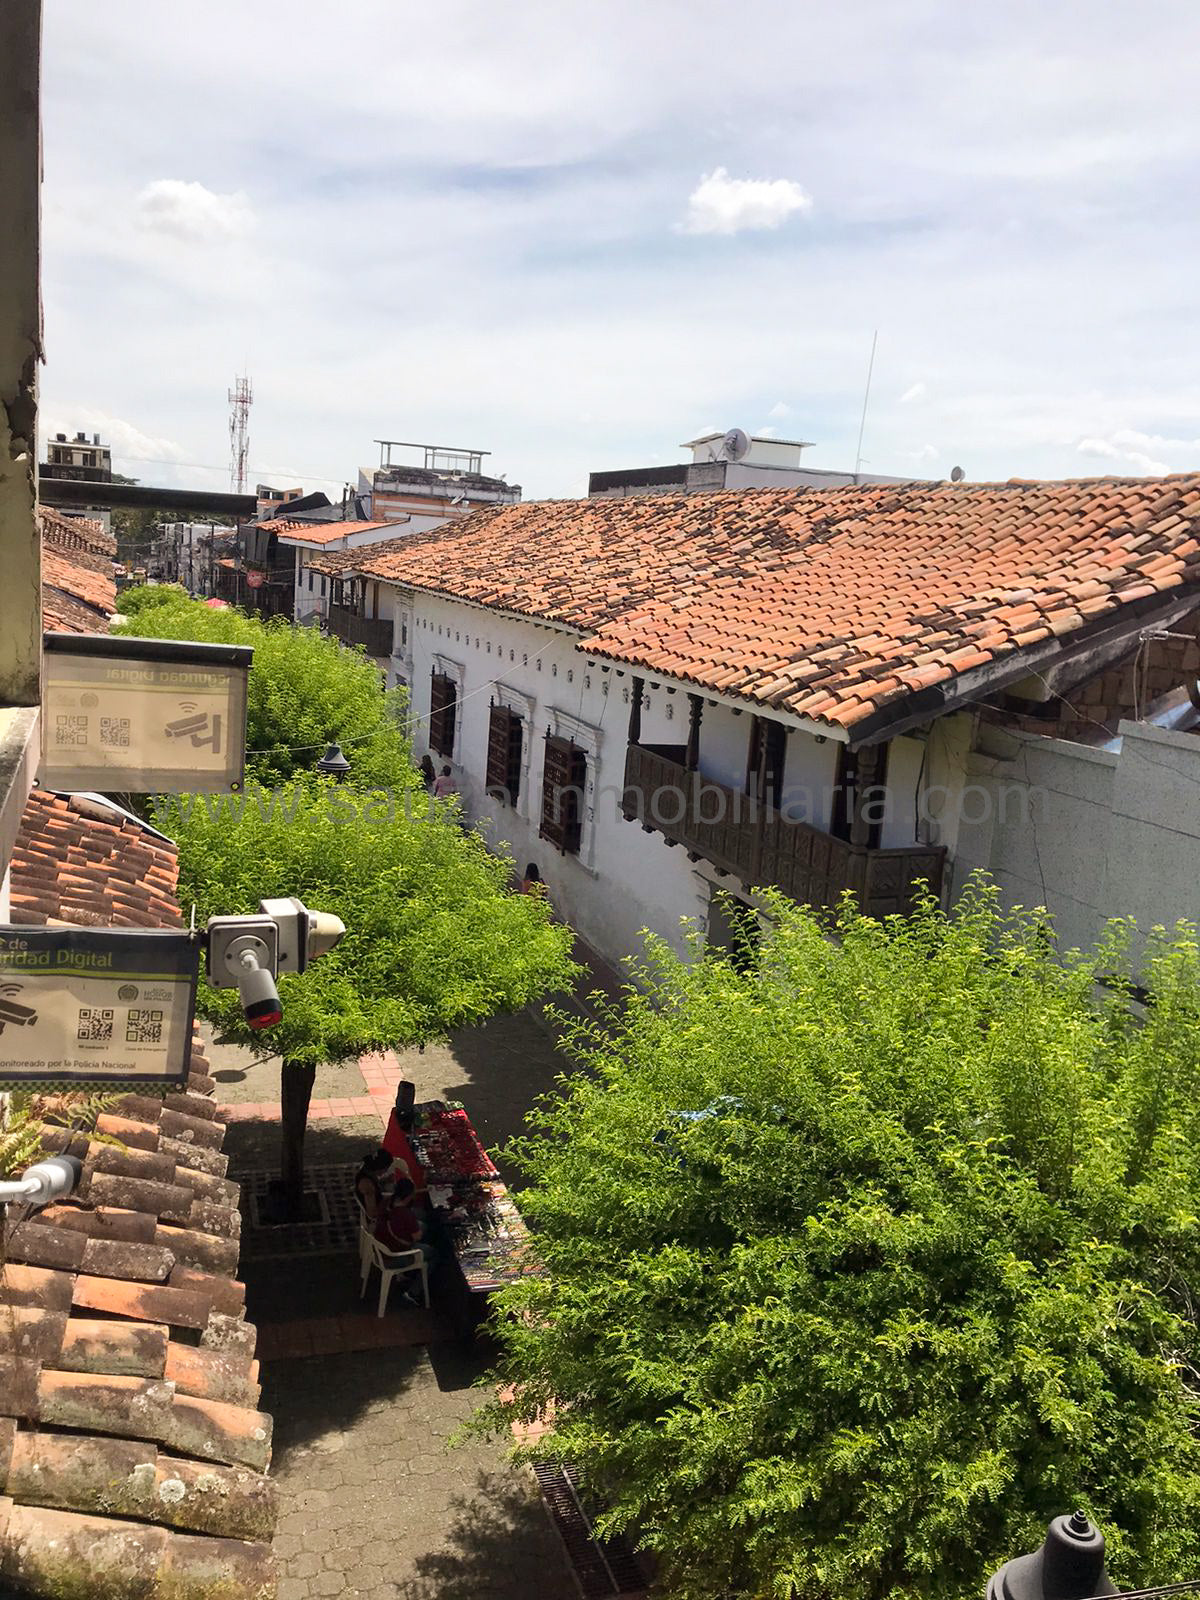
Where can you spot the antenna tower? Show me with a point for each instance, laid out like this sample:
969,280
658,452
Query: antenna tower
241,398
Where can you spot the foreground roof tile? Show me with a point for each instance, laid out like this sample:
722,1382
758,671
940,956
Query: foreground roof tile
153,1482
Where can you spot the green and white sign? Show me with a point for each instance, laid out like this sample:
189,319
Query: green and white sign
85,1005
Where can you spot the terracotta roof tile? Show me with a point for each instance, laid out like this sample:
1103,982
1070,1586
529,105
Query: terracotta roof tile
739,591
291,531
79,592
93,1287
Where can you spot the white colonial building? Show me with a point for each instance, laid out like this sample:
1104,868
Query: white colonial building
668,705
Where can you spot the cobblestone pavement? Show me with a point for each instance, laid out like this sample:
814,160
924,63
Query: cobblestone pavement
375,1502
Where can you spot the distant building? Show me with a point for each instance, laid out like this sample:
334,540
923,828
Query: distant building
449,482
81,459
270,500
768,463
188,552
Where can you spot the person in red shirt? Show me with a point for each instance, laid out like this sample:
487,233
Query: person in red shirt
401,1225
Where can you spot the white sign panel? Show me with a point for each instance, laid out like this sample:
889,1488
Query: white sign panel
82,1005
143,716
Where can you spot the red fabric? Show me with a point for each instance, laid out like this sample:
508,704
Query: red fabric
395,1142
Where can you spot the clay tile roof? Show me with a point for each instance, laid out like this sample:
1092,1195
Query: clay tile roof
132,1447
294,532
79,593
838,604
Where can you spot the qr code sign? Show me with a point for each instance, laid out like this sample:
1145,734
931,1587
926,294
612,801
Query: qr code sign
144,1027
94,1026
114,732
70,730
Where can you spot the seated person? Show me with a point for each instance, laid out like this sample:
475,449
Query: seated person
372,1181
401,1226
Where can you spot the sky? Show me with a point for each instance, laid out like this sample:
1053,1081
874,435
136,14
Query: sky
575,235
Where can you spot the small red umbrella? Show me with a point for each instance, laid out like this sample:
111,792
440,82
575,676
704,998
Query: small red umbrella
218,605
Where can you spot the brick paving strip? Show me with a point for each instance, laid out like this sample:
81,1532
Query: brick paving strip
381,1074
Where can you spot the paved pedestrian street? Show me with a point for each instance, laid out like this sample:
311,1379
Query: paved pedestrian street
375,1501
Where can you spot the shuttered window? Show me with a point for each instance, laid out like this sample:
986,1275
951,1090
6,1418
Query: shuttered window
563,784
443,714
505,737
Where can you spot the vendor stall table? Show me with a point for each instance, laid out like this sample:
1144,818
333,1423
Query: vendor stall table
487,1234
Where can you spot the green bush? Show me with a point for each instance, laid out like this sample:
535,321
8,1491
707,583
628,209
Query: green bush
920,1276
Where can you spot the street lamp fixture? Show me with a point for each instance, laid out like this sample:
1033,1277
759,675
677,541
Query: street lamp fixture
333,763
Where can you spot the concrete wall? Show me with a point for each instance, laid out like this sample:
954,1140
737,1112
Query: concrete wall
1091,834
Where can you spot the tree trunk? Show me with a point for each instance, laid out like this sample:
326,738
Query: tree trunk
295,1086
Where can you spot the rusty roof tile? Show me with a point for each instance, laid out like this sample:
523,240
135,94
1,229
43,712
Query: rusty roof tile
145,1302
106,1222
92,1281
22,1285
45,1551
209,1375
223,1293
213,1430
768,578
128,1349
207,1252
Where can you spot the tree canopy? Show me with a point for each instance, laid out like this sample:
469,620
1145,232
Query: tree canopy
864,1265
433,938
305,689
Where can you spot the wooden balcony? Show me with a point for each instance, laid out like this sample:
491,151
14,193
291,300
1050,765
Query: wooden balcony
760,847
374,634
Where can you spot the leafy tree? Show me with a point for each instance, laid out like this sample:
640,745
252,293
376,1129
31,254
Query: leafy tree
434,939
305,690
861,1267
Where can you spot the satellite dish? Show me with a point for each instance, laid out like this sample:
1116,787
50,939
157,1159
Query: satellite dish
735,444
957,474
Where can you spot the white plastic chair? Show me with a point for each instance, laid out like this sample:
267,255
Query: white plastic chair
391,1264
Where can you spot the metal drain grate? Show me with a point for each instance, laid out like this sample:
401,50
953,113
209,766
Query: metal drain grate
602,1566
335,1234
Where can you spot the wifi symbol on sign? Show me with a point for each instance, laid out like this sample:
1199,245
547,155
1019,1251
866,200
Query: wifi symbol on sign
187,705
10,988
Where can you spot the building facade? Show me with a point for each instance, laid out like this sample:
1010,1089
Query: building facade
767,463
429,484
799,691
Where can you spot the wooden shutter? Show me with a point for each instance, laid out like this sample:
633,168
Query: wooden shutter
563,781
504,755
442,709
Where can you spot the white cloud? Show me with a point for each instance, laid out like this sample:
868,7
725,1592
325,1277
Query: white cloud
916,391
927,452
125,439
781,409
189,211
1127,445
721,204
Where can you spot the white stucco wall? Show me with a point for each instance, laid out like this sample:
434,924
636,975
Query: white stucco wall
623,879
1091,834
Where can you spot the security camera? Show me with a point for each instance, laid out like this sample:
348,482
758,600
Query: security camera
248,953
47,1180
